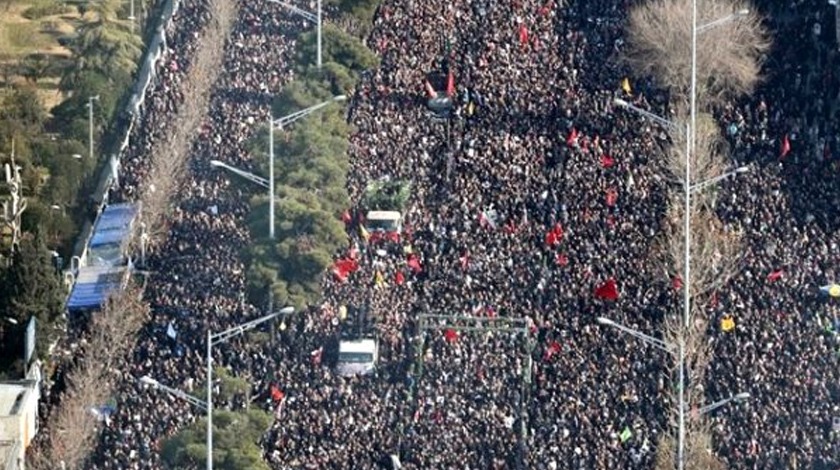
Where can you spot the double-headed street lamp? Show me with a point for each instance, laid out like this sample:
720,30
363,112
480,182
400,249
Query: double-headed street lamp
695,30
212,340
269,182
173,391
690,147
314,17
218,338
670,349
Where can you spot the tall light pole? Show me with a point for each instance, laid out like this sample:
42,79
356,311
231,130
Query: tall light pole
269,182
91,99
691,134
669,348
271,174
217,338
316,18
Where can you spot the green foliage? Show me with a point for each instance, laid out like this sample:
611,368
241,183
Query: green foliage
230,385
104,45
311,167
308,234
236,438
387,195
46,9
362,11
337,47
21,114
32,287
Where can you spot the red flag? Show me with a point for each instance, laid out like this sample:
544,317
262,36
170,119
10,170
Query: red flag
344,267
775,276
555,235
430,90
450,84
572,140
399,278
677,283
607,290
523,34
414,263
612,197
276,393
607,161
450,335
562,259
509,227
546,8
553,348
316,356
465,261
785,147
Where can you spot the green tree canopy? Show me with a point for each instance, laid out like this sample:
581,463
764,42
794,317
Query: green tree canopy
104,44
337,47
236,437
31,287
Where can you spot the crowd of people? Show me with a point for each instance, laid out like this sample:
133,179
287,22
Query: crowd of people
539,192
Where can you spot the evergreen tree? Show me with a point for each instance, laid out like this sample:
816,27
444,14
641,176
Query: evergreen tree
236,437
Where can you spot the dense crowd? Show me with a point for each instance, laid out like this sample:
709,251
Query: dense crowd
551,192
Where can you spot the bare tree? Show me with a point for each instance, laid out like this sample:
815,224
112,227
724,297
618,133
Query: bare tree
72,431
729,55
170,154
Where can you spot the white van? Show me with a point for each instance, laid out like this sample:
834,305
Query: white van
357,357
385,221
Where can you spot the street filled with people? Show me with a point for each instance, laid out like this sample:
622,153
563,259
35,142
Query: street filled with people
542,202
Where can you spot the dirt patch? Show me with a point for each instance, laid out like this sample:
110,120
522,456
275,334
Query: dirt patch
21,37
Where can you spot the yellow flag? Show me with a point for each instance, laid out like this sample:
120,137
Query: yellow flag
625,85
364,233
727,323
379,279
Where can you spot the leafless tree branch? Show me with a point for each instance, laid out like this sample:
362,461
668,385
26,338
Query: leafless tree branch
729,56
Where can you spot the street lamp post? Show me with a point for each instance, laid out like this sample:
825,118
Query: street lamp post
271,175
173,391
655,342
221,337
713,406
269,183
691,144
654,117
669,348
316,18
91,99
